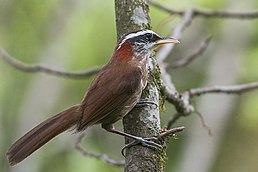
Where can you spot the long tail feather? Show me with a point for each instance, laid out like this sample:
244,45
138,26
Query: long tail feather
43,133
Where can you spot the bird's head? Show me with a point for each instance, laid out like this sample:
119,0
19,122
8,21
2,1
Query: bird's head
139,44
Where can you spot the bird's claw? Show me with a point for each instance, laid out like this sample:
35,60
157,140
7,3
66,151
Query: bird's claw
146,142
144,102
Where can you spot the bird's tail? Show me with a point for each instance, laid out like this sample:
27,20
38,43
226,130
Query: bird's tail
43,133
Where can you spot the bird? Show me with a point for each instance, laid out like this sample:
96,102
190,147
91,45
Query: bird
113,93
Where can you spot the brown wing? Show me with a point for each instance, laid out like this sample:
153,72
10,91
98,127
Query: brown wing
109,92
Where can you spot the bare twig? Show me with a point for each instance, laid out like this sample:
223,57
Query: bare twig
172,121
199,52
170,132
163,53
208,13
39,68
231,89
102,157
204,125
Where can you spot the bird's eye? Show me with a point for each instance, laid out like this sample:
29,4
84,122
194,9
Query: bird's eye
148,36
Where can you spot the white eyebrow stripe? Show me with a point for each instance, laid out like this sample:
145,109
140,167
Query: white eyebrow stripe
131,35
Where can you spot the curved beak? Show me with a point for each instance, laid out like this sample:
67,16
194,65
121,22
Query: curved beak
166,41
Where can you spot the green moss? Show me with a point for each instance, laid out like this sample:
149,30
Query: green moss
155,78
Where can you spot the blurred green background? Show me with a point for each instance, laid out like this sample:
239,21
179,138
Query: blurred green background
76,35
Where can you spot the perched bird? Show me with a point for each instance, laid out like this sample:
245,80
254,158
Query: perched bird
113,93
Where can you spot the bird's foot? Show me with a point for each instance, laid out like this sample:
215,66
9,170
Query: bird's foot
144,102
146,142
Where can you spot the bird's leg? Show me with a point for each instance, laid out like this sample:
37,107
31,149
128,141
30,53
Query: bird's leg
144,102
146,142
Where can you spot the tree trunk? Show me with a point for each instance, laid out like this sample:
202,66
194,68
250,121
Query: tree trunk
144,121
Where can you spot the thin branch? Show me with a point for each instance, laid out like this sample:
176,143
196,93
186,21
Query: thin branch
187,60
231,89
102,157
208,13
43,69
163,53
166,8
204,125
170,132
172,121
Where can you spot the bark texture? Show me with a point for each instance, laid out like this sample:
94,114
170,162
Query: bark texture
143,121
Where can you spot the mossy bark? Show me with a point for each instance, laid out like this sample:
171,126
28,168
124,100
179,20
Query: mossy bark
143,121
